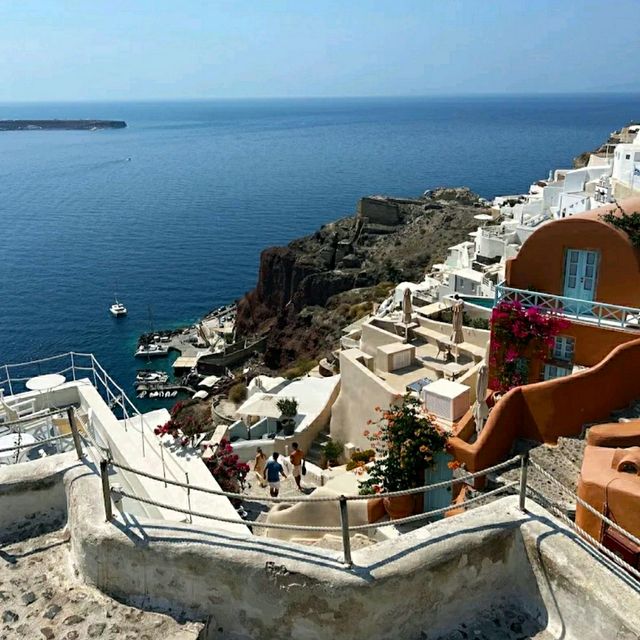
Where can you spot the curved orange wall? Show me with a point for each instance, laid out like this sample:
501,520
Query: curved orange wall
539,265
544,411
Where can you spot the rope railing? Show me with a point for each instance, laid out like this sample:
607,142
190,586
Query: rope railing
261,498
341,501
315,528
610,555
103,459
586,505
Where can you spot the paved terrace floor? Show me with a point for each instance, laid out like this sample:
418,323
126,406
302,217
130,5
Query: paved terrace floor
428,365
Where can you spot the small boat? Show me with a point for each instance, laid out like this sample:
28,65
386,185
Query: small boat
154,394
148,375
174,394
118,309
142,394
153,349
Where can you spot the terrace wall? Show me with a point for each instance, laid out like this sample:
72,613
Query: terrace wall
544,411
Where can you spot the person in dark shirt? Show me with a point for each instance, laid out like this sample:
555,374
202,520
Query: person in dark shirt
272,471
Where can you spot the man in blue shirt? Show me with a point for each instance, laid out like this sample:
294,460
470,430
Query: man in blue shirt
272,471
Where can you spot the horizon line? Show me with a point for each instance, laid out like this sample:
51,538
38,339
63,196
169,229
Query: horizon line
501,94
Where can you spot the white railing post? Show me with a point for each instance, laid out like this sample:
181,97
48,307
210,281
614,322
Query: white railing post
6,367
164,468
73,367
93,370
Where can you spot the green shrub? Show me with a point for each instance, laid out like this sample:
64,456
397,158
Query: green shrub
299,368
358,457
332,451
480,323
238,393
363,456
629,223
382,290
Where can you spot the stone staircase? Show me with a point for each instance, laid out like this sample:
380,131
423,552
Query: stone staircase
315,455
563,461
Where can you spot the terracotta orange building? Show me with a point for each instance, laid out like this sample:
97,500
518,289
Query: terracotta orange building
587,271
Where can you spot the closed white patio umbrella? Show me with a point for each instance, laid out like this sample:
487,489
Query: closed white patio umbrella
457,336
480,408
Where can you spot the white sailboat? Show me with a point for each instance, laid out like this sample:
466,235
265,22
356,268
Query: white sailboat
117,308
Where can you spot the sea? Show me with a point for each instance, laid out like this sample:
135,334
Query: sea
171,213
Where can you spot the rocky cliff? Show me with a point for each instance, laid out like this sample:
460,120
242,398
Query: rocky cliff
309,290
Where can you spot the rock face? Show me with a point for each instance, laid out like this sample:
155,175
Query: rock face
388,240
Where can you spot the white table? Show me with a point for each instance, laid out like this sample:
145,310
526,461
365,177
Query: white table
11,440
45,383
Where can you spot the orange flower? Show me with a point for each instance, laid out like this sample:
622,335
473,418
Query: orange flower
454,464
366,433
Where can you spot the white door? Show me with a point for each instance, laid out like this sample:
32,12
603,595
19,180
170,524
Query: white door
580,274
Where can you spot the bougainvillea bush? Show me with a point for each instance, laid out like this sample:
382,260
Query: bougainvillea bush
188,419
226,468
518,333
406,441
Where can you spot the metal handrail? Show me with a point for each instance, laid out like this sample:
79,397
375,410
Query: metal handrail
113,392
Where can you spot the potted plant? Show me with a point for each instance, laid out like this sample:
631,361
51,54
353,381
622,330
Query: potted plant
289,409
332,450
406,442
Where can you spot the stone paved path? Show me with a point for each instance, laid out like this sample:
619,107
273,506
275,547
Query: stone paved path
499,623
288,489
41,599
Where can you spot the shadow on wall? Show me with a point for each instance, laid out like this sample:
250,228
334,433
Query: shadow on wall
544,411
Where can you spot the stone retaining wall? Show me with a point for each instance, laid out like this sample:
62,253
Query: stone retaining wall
425,583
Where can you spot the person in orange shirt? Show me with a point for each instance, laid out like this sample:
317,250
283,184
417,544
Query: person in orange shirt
297,457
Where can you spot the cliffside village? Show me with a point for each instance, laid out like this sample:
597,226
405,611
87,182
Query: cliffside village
465,464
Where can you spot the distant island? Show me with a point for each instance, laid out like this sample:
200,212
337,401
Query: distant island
81,125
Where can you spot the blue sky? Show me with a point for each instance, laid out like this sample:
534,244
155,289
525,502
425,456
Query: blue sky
160,49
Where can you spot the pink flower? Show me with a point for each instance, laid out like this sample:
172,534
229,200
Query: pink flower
511,354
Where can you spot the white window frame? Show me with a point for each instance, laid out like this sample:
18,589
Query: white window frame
552,371
564,348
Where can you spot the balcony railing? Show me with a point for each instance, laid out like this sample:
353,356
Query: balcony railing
600,313
76,366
